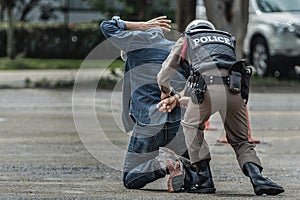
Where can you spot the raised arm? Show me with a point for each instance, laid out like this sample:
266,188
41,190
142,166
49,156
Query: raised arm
121,32
161,22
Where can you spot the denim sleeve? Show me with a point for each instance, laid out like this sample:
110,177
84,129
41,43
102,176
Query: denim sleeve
128,122
115,31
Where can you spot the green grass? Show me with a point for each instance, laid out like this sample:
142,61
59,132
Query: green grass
273,82
40,64
30,63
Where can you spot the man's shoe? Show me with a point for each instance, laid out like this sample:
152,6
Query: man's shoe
176,179
183,175
175,167
261,185
168,153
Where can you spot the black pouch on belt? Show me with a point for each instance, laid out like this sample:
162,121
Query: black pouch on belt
235,82
246,75
198,91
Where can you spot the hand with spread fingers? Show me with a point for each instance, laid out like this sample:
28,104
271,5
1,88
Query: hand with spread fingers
160,22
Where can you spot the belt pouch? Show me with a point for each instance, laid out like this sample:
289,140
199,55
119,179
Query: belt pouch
235,82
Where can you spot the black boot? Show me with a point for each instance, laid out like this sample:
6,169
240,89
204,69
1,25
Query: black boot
206,183
261,184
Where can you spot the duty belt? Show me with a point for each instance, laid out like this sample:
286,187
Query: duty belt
218,80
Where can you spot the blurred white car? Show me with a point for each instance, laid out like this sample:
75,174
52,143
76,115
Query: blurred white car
272,43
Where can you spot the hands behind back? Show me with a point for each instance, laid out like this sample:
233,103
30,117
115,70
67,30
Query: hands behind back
169,103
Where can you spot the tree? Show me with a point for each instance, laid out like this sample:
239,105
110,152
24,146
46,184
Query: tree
1,12
135,9
9,5
186,12
233,16
24,7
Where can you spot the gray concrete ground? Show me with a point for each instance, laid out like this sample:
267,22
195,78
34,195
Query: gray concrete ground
16,78
44,156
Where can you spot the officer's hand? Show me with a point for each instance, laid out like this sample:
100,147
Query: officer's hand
167,104
183,101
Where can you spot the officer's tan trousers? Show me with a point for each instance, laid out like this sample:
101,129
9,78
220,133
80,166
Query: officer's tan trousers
232,110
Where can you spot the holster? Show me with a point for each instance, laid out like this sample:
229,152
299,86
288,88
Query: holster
240,79
235,82
198,91
246,75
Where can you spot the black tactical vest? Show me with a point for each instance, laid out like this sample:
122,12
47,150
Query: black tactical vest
208,49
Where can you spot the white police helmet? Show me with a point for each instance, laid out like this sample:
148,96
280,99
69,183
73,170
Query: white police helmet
199,24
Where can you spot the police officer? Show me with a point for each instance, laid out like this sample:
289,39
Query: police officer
215,83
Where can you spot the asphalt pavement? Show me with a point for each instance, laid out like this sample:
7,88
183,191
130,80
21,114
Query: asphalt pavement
69,144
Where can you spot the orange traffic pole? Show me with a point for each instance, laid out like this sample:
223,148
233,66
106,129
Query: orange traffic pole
209,127
224,140
250,139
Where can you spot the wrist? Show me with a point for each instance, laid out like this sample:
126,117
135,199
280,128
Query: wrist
176,95
166,90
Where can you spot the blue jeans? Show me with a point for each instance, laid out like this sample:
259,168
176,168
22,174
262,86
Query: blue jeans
141,167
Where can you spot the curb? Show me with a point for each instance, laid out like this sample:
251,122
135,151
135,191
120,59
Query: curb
20,79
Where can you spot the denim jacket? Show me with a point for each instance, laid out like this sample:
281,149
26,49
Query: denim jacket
146,51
